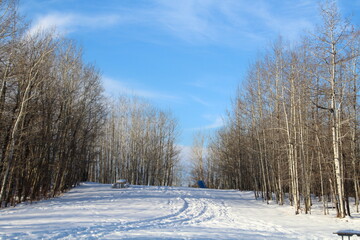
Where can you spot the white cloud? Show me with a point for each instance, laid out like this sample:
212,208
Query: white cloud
116,87
217,123
65,23
231,22
189,20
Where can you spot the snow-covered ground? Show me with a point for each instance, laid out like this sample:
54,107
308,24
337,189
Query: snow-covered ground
96,211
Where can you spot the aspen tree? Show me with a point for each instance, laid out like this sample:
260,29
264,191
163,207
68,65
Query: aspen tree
331,48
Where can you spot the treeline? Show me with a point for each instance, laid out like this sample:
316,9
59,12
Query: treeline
293,130
56,126
138,144
51,111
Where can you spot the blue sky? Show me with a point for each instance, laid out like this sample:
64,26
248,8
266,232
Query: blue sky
188,56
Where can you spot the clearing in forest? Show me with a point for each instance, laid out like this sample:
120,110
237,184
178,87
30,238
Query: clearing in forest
97,211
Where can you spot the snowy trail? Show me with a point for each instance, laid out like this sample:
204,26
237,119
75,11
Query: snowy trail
193,210
95,211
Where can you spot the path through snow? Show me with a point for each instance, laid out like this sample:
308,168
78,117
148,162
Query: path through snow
96,211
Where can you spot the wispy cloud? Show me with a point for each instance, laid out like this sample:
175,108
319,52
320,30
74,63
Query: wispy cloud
190,20
228,22
216,122
117,87
200,101
65,23
231,21
288,19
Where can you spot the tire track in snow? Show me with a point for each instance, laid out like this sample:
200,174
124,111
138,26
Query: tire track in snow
194,210
202,209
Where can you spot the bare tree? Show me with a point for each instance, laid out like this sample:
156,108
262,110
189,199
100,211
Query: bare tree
297,109
139,144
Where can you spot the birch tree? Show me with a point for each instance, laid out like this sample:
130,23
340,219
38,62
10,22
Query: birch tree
331,48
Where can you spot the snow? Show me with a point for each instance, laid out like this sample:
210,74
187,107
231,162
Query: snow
97,211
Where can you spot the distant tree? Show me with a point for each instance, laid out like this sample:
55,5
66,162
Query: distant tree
139,144
198,157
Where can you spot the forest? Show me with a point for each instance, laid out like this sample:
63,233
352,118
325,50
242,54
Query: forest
57,127
292,132
291,135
